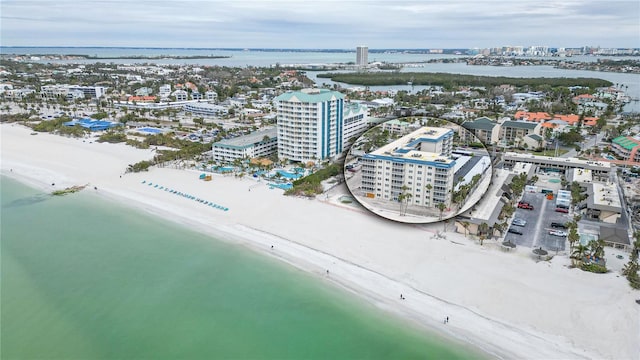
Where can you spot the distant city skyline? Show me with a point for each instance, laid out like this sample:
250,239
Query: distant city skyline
321,25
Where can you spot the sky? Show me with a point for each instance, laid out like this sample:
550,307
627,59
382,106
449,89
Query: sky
318,24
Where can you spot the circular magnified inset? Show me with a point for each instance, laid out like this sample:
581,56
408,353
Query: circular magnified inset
415,170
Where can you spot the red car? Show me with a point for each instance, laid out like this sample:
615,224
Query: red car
525,205
562,210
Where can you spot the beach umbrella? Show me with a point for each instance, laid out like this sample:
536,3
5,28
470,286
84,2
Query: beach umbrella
540,252
508,244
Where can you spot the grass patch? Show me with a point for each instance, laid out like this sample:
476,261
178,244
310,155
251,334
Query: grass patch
594,268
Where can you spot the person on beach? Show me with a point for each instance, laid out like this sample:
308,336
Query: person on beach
447,319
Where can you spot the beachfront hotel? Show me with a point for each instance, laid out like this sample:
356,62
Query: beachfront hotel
310,124
257,144
355,122
420,162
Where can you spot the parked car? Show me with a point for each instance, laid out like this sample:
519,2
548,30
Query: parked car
525,205
514,231
557,225
558,233
519,222
562,210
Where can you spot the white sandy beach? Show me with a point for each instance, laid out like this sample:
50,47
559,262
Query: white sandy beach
506,304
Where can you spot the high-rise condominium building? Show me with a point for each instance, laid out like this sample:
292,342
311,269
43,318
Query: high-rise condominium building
362,56
310,124
418,164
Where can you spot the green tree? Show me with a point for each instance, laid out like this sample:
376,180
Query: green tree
441,206
573,237
483,230
579,253
403,198
465,225
597,248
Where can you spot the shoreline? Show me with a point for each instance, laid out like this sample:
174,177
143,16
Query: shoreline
370,257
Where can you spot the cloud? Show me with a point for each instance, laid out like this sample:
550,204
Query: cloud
320,24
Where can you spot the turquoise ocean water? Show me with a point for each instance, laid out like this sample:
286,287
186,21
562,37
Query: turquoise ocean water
83,278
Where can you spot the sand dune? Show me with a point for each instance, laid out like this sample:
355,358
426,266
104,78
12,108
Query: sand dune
506,304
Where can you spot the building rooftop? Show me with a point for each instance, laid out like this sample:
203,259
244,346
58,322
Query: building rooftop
580,175
626,142
615,235
600,165
489,207
353,108
604,197
406,147
310,96
482,123
520,124
241,142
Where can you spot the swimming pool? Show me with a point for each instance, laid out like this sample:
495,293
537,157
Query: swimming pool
285,186
288,175
149,130
224,169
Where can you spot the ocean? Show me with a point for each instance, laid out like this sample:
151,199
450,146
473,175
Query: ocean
86,278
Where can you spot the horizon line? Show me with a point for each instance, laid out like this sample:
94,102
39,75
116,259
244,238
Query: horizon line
279,48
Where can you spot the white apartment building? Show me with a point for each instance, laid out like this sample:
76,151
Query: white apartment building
53,91
418,164
257,144
356,122
164,91
92,92
205,109
56,91
211,95
362,56
310,124
180,95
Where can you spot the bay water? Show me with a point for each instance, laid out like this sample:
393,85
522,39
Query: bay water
86,278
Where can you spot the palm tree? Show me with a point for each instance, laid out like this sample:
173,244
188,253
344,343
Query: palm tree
465,225
573,237
483,229
597,248
441,206
580,252
500,227
403,198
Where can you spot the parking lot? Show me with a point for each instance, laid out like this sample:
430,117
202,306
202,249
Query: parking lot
535,233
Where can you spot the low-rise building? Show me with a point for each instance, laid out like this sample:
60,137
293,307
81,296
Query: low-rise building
626,148
599,169
514,132
180,95
165,91
603,203
262,143
205,109
397,127
483,128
